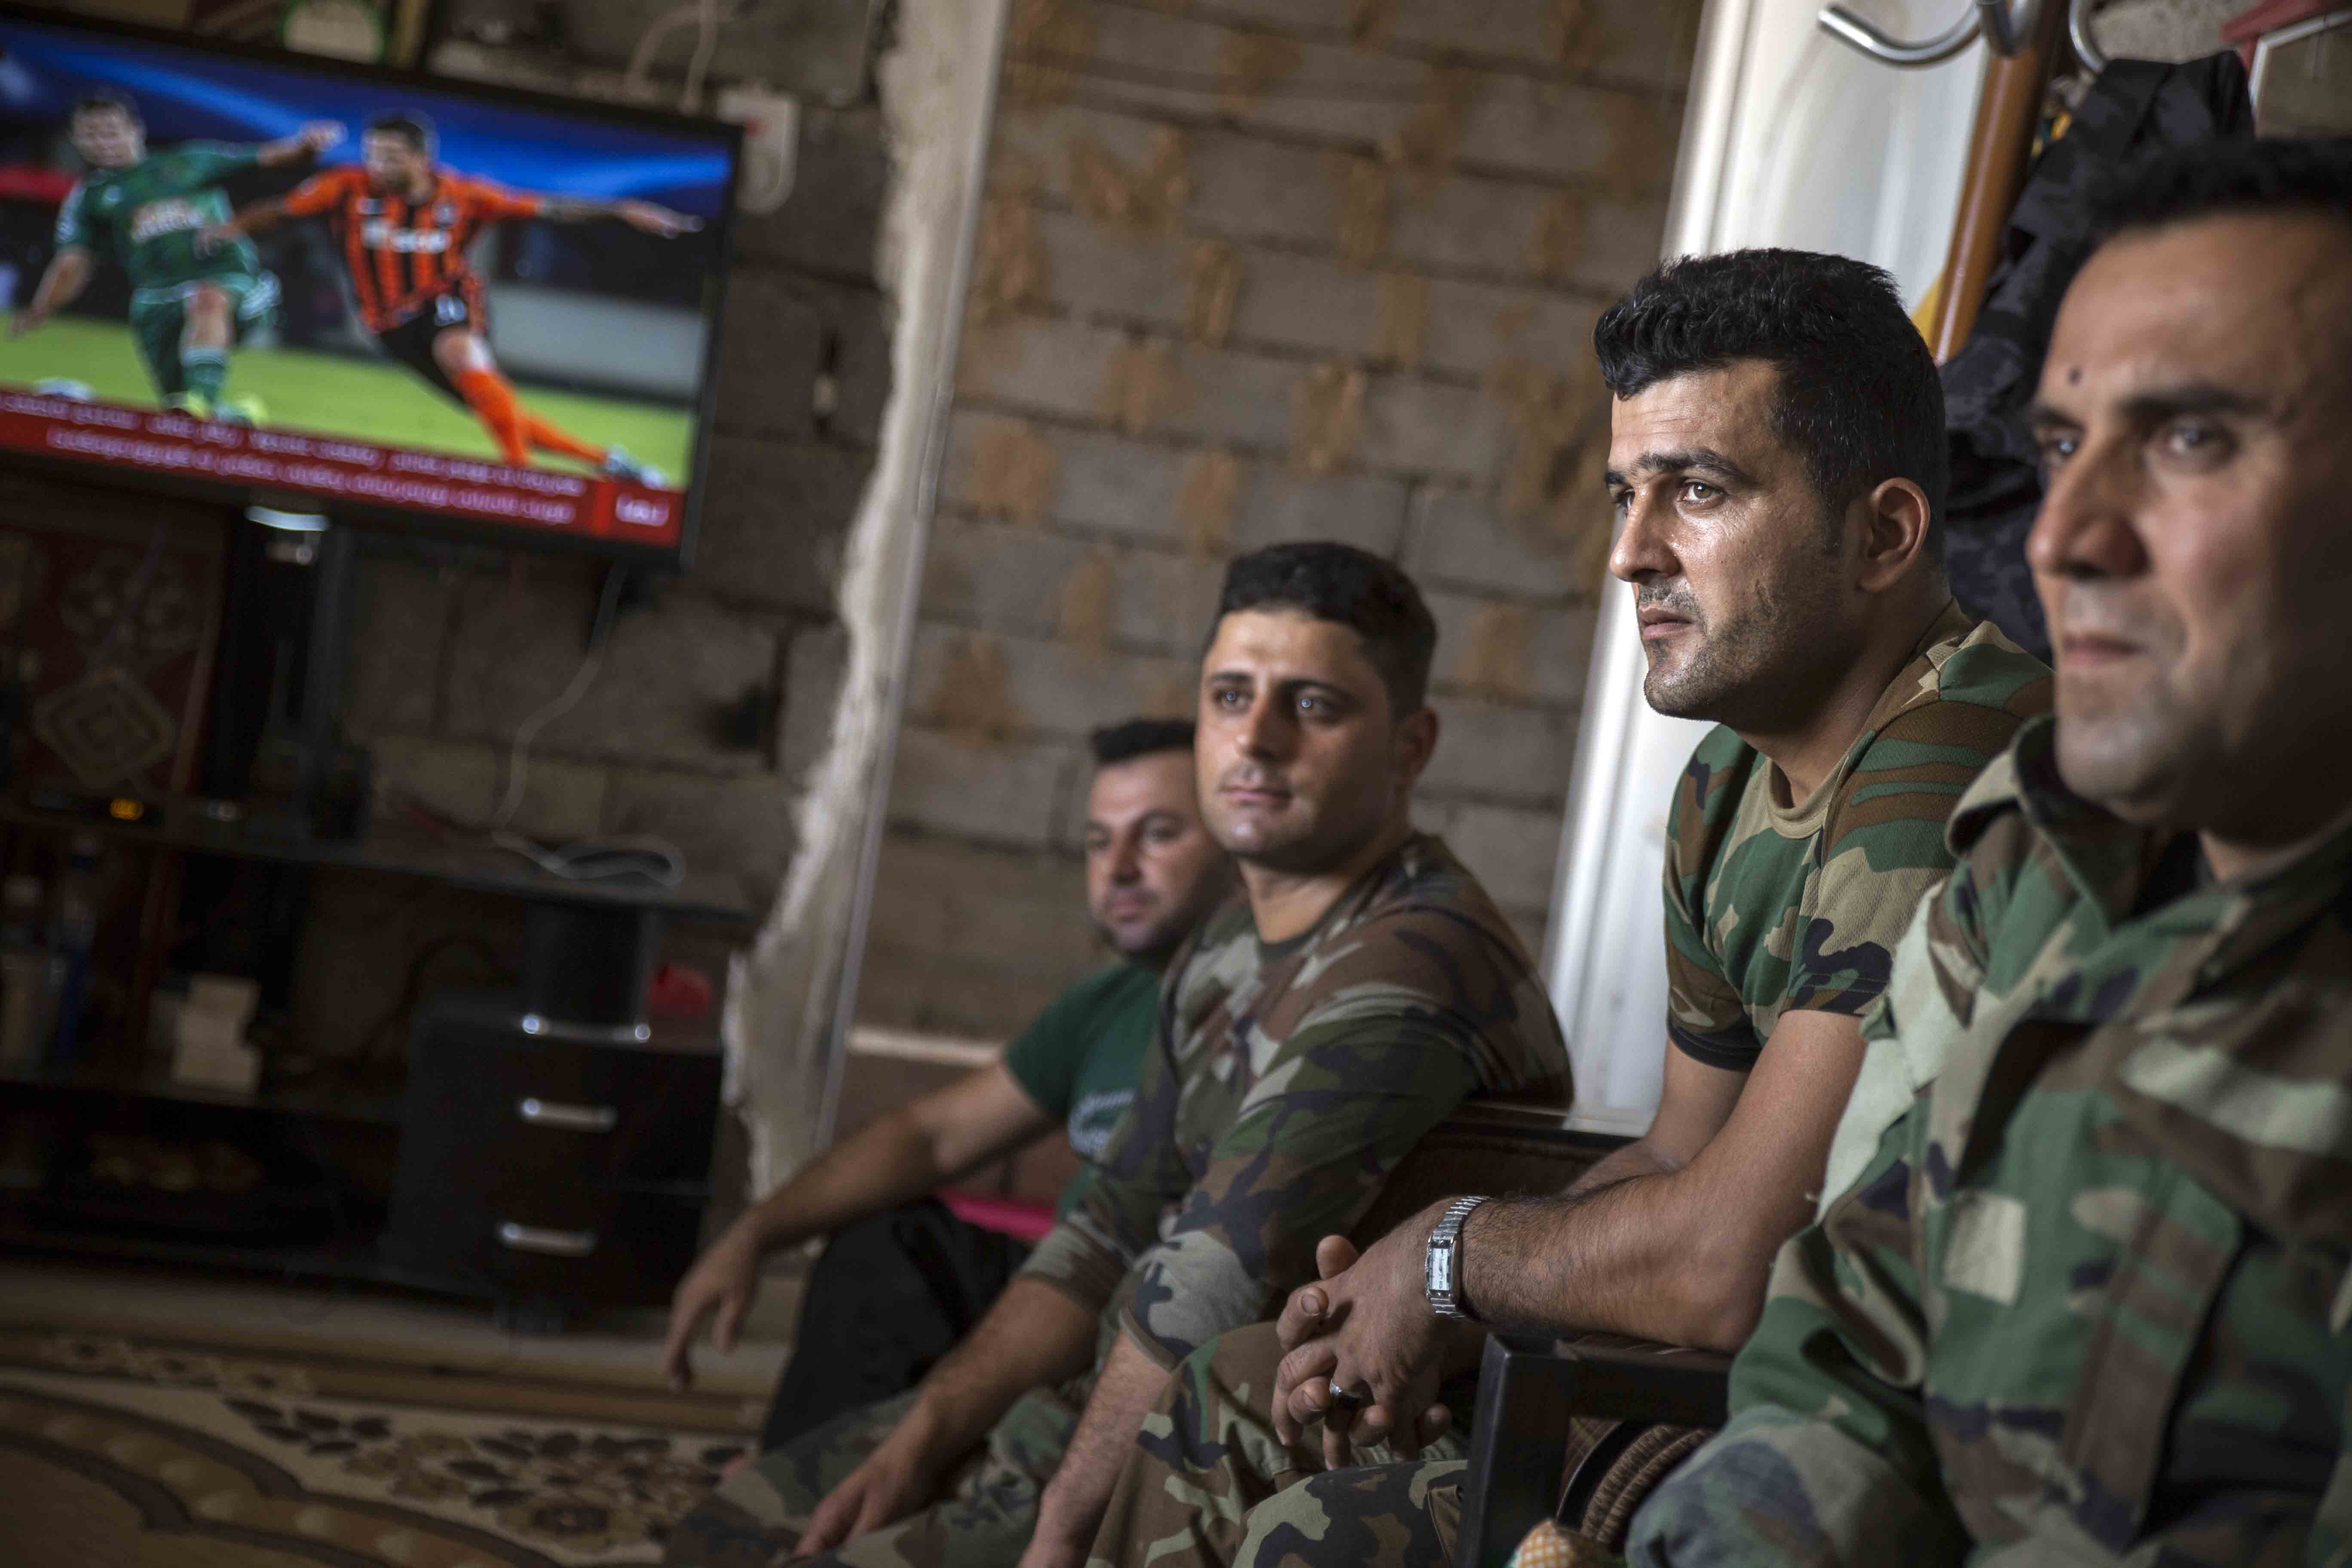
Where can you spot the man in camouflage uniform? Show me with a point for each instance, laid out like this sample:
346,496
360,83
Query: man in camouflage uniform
1309,1034
1777,460
2081,1290
188,301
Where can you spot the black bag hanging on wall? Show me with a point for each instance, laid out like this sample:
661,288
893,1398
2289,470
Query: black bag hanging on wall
1988,385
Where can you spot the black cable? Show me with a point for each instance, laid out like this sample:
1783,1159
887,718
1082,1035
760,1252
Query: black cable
608,606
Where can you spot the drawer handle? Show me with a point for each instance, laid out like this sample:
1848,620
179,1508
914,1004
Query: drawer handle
554,1242
571,1118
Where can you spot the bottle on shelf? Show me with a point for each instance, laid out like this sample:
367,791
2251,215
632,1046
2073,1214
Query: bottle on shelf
25,990
73,932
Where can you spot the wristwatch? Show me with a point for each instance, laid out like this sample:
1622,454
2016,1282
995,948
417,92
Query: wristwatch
1442,1271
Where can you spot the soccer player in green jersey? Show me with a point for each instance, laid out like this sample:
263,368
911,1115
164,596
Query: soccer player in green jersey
187,304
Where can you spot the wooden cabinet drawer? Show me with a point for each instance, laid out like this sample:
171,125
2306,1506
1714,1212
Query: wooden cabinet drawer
629,1247
497,1100
526,1162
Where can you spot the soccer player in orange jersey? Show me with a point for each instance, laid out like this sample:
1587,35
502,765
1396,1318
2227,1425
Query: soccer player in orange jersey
403,225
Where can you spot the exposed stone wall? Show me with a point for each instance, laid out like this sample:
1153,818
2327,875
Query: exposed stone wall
1252,271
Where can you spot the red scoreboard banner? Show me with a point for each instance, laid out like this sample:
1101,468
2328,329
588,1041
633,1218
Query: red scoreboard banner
334,468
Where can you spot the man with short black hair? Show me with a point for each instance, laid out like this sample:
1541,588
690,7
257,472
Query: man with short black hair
1777,463
1309,1034
2081,1287
904,1278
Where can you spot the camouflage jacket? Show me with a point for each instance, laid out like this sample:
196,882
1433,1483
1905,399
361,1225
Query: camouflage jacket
2081,1287
1284,1083
1774,908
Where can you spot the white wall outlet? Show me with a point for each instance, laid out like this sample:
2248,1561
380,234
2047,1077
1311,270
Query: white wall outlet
771,129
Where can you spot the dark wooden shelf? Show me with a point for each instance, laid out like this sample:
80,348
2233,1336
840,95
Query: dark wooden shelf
578,933
324,1101
326,1262
400,849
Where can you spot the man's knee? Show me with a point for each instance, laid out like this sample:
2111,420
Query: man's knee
1220,1395
860,1249
765,1506
743,1524
1384,1516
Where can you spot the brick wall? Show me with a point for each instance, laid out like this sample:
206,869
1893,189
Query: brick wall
1252,271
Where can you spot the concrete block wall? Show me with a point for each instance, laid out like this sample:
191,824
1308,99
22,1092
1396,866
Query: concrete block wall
1252,271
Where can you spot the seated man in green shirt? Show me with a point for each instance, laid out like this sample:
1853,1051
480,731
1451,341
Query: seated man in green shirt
903,1278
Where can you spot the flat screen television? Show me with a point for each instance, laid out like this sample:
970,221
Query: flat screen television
365,292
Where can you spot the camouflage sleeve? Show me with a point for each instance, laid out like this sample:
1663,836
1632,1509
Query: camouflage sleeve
1883,848
1706,1017
1113,1209
1827,1458
1930,997
1349,1093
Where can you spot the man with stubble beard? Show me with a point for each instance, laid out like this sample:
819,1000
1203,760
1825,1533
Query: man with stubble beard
1312,1030
2081,1290
903,1278
1777,465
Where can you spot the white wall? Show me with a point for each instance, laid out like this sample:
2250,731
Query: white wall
1790,139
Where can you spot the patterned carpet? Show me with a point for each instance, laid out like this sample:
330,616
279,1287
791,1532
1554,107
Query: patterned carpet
145,1453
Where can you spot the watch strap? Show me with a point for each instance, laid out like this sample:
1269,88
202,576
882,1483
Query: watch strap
1452,1301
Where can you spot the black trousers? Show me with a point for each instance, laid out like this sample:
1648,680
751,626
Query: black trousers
889,1296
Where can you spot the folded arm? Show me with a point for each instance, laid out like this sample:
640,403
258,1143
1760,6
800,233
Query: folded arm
1670,1239
1679,1253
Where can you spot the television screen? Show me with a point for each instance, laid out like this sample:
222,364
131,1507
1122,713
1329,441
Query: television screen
460,306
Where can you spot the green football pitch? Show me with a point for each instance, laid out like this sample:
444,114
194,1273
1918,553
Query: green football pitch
370,400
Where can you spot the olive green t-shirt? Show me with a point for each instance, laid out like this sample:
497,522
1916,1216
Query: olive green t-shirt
1080,1059
148,215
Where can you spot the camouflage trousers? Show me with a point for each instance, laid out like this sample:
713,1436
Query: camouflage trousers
1404,1514
1207,1466
986,1514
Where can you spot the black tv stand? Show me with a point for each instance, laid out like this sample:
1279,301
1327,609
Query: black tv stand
574,1031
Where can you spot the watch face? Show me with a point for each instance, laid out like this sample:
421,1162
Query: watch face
1441,1268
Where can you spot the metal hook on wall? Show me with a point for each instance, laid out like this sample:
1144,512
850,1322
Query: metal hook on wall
1848,28
2078,30
2005,30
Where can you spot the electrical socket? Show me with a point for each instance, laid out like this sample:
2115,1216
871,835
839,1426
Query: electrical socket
772,127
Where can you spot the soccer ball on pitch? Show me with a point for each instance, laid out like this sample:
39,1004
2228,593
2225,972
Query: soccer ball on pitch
61,387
